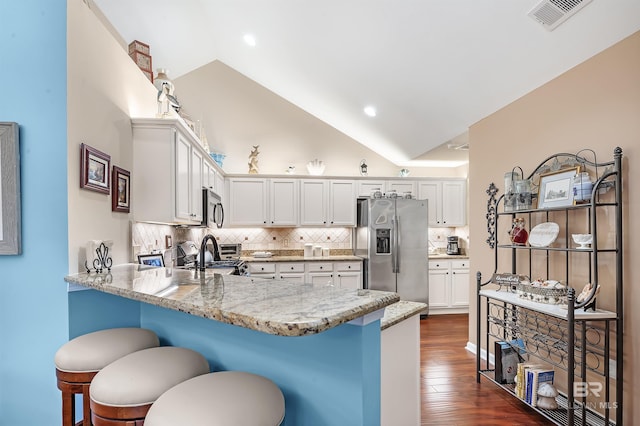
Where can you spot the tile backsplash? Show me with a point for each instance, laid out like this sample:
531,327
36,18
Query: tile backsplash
148,238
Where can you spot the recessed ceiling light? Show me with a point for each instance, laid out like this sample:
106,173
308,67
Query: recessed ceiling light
250,40
370,111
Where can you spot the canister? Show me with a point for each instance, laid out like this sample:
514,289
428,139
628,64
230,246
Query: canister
308,250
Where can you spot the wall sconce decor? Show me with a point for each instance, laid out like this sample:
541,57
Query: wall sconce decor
364,168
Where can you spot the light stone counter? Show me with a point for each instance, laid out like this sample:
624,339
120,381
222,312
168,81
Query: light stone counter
400,311
270,306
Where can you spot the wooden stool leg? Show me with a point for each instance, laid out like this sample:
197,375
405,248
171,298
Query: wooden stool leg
68,409
86,405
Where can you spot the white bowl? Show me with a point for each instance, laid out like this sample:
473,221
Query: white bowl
582,239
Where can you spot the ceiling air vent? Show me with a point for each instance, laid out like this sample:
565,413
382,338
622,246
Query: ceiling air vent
551,13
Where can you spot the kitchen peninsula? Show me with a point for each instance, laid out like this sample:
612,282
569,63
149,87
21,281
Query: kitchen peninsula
321,344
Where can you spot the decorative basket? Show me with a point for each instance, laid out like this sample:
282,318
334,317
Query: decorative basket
542,294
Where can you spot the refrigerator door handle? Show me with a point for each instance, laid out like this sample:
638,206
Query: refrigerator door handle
398,243
394,245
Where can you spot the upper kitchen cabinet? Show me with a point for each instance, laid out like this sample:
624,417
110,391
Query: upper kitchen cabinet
367,187
169,166
447,201
263,202
248,204
402,187
327,202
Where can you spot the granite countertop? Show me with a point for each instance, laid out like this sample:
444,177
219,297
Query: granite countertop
271,306
400,311
334,258
447,256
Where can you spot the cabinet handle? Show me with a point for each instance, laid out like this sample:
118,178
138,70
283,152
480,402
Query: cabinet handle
292,268
321,267
349,267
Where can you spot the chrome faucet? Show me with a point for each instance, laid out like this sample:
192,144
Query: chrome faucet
203,249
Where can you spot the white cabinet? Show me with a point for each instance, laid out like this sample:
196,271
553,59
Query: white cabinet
460,283
367,187
448,286
248,202
263,202
319,272
327,203
402,187
447,201
342,274
266,270
347,274
291,271
169,165
283,202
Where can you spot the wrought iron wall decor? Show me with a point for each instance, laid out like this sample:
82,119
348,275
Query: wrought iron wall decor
492,205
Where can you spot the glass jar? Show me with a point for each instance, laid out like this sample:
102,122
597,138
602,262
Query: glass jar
519,234
510,190
523,194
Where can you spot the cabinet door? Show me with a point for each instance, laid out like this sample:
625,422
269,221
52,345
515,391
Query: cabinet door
460,287
208,175
454,203
320,278
348,280
367,187
283,202
248,202
402,187
431,191
342,203
439,288
183,171
313,207
293,277
196,184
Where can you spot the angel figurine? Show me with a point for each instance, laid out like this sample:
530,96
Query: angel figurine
253,159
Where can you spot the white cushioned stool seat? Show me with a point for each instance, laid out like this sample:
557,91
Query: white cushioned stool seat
80,359
93,351
125,389
220,399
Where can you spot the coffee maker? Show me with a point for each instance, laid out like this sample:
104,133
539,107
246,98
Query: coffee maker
452,245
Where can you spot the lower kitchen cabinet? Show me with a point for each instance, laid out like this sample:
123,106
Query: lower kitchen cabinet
448,286
342,274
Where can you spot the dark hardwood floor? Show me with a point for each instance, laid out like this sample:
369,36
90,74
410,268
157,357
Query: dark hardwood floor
449,392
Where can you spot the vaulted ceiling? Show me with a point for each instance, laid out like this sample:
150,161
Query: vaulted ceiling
430,68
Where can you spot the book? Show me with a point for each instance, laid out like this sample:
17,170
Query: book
521,386
540,376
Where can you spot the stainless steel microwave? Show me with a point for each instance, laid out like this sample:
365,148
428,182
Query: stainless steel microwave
213,211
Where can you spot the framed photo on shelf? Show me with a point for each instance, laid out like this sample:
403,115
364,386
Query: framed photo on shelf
151,259
556,188
95,167
121,190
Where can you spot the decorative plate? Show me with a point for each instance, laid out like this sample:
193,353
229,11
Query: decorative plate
543,234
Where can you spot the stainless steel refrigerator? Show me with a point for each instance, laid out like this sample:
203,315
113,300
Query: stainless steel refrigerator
392,238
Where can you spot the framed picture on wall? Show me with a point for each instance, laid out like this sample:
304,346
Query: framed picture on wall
121,190
10,211
95,169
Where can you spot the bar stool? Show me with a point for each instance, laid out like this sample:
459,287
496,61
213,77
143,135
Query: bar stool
122,392
80,359
220,399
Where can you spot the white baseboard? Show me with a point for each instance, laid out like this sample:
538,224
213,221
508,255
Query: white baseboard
471,347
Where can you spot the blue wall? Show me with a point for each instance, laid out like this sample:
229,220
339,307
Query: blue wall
33,297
